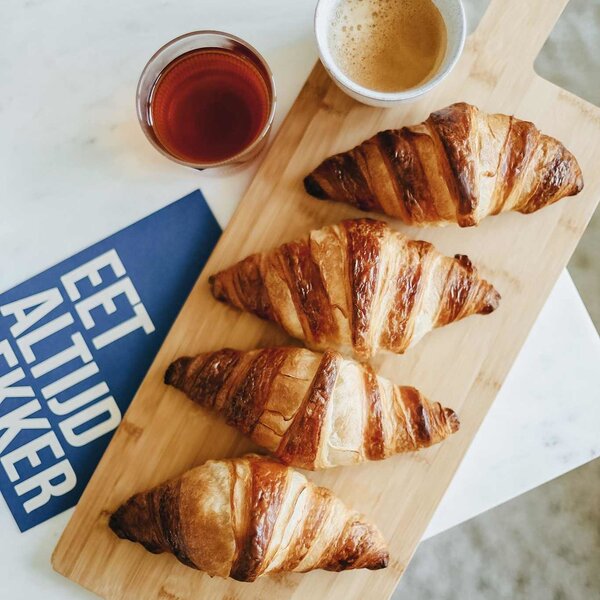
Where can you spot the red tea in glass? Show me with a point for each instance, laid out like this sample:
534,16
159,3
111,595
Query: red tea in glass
206,105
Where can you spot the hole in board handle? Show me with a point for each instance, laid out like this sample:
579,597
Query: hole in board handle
475,9
570,57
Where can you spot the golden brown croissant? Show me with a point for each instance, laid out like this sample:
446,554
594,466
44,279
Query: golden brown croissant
247,517
459,166
312,410
357,287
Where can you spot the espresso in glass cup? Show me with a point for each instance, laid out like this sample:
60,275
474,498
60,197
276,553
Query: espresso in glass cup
207,99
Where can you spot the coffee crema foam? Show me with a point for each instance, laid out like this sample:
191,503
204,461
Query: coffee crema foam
388,45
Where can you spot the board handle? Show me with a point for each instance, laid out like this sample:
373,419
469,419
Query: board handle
514,31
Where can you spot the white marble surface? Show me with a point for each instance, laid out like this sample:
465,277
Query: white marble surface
76,167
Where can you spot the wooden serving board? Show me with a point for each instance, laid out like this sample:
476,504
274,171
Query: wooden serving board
462,366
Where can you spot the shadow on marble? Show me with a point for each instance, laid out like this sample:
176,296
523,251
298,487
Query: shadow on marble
544,545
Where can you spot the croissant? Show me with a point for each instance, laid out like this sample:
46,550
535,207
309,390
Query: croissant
247,517
312,410
357,287
459,166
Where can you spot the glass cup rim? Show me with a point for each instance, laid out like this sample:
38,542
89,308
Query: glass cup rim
141,101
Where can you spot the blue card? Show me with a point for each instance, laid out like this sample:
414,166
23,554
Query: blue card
75,344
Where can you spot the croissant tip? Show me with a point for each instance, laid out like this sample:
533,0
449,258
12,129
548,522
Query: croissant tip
313,188
212,282
579,183
381,563
217,289
452,420
116,523
465,261
174,372
491,302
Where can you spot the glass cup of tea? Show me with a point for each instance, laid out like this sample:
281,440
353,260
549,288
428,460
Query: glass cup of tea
206,99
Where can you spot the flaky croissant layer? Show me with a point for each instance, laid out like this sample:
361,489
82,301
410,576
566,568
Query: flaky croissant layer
247,517
458,166
357,287
312,410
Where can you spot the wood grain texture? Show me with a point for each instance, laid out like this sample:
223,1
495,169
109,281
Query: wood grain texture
462,366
